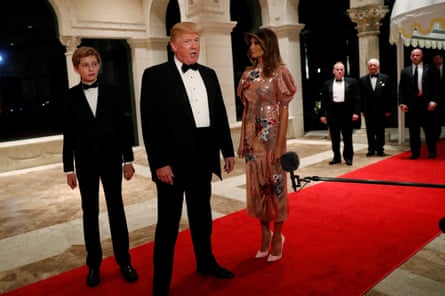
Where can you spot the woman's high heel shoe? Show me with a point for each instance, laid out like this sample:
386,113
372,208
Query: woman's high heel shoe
274,258
260,254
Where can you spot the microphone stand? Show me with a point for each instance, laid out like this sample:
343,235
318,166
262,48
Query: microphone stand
349,180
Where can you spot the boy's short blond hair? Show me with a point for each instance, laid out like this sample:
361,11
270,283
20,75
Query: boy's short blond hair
82,52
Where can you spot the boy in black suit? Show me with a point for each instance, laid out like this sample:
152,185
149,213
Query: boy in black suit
95,143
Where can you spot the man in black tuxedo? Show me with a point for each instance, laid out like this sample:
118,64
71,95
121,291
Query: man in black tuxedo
340,110
438,64
96,138
418,98
185,127
377,97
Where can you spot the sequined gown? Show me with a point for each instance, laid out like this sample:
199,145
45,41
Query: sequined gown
266,182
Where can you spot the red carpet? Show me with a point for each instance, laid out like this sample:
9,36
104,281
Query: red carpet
341,239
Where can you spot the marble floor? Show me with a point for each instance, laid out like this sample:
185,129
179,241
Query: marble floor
41,233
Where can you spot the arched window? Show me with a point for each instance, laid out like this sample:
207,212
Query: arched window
33,74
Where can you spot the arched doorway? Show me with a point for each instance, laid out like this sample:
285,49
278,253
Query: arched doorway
33,74
328,36
247,14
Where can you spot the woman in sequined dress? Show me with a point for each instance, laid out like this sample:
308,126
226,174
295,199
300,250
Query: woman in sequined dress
266,89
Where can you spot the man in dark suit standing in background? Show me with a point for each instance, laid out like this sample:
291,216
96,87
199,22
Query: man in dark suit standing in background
418,98
438,63
185,127
96,138
377,97
340,109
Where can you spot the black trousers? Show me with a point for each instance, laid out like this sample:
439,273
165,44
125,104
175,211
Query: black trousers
341,123
195,185
111,178
419,117
375,132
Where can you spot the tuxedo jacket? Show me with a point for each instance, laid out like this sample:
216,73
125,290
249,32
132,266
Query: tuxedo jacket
351,103
441,84
95,141
407,91
168,124
376,102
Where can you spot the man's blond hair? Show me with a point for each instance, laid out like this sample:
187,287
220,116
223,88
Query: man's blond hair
182,28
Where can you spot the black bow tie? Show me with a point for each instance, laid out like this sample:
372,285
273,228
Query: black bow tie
87,86
374,75
185,67
338,80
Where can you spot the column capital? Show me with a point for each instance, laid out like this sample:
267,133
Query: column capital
287,28
368,18
70,42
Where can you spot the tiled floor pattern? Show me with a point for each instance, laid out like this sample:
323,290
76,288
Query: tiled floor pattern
41,233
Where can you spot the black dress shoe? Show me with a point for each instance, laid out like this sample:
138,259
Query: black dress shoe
370,154
93,277
217,271
334,161
381,154
414,156
348,162
129,273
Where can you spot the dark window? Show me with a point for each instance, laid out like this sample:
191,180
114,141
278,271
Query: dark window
33,73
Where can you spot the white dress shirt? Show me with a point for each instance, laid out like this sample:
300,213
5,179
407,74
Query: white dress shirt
338,91
197,95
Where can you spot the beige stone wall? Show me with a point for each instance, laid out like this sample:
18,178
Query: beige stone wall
24,154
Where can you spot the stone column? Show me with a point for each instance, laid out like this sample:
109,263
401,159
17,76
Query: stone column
145,53
71,43
216,52
368,23
289,40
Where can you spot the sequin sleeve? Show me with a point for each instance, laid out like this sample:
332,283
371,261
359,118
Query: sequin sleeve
241,85
286,86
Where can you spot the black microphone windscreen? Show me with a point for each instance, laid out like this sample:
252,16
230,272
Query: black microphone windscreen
289,161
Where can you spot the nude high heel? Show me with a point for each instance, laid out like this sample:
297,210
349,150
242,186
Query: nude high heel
264,254
274,258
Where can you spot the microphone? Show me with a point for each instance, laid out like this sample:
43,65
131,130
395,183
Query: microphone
290,162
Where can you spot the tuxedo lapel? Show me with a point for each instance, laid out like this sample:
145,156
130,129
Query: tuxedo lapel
178,87
346,88
83,102
331,90
210,89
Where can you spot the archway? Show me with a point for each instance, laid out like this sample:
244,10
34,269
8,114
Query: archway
322,44
247,14
33,71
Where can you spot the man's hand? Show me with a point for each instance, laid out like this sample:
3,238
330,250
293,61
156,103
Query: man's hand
71,180
128,171
229,164
165,174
